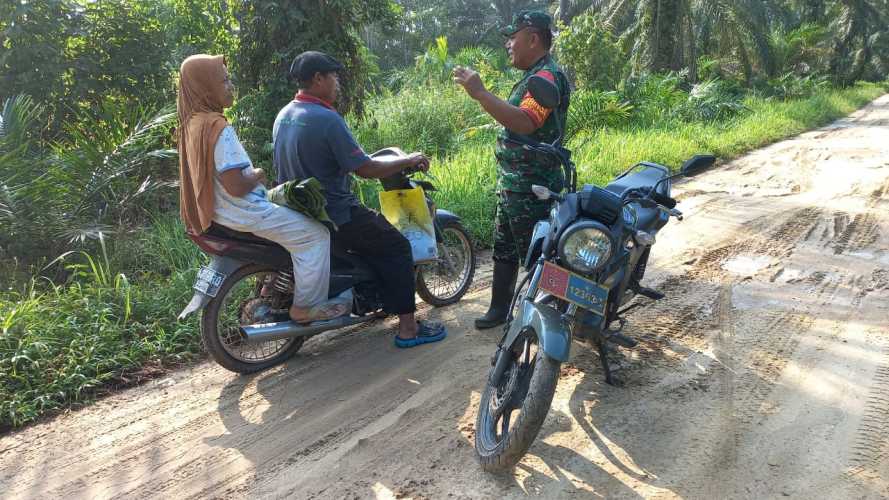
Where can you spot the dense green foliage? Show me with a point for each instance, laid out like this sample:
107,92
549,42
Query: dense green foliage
592,52
60,343
845,39
273,33
465,23
88,167
96,180
74,57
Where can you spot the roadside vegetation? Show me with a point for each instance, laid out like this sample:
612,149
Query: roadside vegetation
94,261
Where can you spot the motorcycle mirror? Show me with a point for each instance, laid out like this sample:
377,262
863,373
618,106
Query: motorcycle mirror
544,92
697,164
541,192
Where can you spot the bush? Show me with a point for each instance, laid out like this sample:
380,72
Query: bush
792,86
655,98
100,179
590,51
712,100
430,119
593,109
59,344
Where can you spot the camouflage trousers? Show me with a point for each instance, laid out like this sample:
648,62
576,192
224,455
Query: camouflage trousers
514,222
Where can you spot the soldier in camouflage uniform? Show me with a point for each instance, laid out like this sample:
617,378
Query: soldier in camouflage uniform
529,39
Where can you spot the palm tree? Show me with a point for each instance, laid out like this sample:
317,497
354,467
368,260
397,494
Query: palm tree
670,34
92,183
738,30
861,33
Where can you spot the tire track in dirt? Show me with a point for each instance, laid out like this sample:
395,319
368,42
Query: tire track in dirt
869,459
879,280
685,315
861,232
750,353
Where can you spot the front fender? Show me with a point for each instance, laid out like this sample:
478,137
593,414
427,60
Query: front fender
535,249
222,265
552,331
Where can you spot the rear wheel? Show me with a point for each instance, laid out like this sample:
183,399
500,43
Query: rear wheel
238,303
447,279
511,414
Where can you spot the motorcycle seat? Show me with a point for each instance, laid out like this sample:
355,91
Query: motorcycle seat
643,176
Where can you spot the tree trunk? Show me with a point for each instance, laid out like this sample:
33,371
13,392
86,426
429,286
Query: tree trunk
564,15
666,29
812,11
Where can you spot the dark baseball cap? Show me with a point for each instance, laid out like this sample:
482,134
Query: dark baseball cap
308,63
528,19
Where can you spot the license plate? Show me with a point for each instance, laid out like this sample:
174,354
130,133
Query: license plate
575,289
208,281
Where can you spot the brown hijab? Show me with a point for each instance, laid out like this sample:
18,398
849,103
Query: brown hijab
201,100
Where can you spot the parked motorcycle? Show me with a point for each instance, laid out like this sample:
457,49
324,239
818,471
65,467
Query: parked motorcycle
245,291
584,265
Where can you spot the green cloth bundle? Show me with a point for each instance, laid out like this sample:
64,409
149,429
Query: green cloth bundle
306,197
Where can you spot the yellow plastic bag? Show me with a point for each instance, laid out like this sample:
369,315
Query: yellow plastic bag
406,209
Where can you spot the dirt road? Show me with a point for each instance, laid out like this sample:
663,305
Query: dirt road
764,374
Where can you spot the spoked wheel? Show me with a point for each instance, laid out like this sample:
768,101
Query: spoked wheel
447,279
510,415
238,303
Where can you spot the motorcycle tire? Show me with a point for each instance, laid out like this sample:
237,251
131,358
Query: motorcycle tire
215,344
434,295
504,455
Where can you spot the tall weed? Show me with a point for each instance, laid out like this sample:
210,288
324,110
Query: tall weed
59,344
429,119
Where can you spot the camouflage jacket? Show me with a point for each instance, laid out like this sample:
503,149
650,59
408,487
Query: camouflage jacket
518,169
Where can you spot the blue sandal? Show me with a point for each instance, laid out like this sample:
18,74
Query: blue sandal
427,332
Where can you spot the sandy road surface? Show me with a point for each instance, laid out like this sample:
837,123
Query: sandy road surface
764,374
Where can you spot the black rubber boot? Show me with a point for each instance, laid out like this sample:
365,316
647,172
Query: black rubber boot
505,274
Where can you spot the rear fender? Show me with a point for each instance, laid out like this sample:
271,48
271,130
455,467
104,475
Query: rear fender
222,265
442,216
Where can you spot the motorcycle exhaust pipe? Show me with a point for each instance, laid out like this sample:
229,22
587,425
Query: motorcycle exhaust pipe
262,332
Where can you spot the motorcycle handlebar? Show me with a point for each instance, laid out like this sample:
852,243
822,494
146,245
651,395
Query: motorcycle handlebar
663,200
649,199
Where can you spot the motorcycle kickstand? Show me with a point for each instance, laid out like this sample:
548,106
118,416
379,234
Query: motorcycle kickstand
606,367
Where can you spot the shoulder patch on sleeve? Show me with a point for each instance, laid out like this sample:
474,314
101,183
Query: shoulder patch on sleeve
546,74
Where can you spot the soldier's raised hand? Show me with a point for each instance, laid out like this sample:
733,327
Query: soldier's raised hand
470,80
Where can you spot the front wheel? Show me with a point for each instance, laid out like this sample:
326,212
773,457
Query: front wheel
238,303
445,280
511,414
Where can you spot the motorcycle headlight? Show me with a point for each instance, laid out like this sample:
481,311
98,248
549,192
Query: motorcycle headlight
585,247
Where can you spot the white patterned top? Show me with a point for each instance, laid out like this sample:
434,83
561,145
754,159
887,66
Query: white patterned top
231,210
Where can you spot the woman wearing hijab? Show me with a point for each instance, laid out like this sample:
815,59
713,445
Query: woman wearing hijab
218,183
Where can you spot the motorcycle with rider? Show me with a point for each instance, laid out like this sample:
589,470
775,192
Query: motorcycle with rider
243,293
269,284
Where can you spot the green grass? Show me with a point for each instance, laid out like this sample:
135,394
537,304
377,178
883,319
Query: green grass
115,317
59,344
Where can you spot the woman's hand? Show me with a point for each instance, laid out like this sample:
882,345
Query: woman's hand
259,176
240,182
